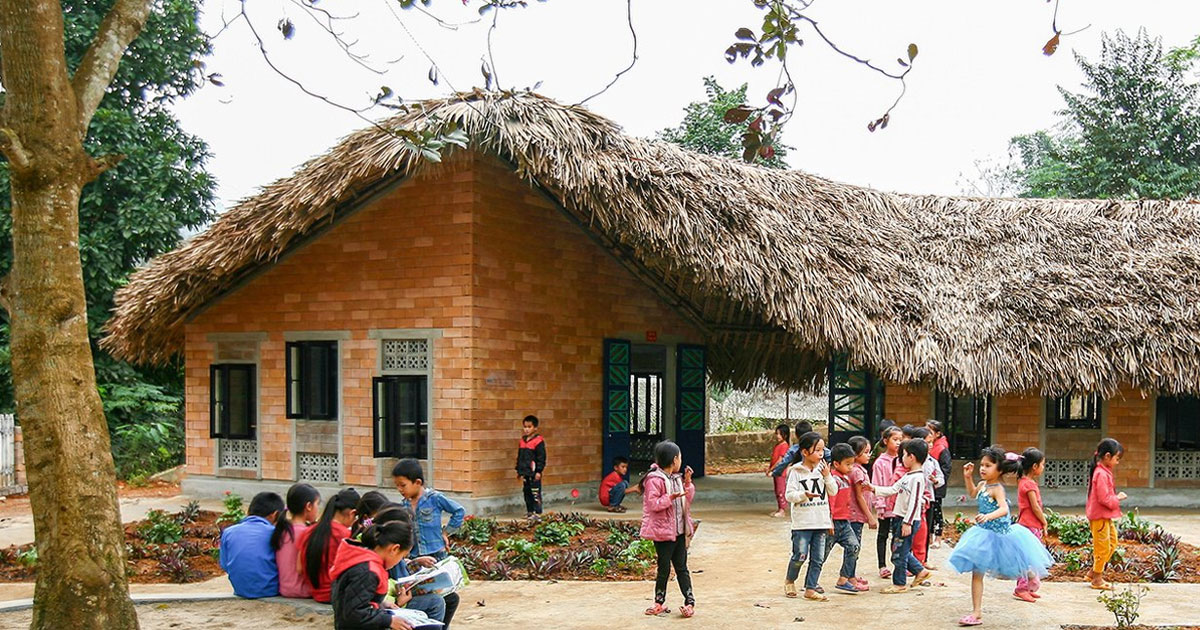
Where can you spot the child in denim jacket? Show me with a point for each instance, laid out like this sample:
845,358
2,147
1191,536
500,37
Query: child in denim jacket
427,506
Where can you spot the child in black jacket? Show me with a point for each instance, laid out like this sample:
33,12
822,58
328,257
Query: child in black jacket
531,463
360,578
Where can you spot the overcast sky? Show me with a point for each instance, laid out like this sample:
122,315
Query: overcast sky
980,77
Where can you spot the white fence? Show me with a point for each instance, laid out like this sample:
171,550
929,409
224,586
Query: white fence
8,451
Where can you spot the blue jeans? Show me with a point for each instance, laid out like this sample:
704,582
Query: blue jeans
617,494
807,544
903,560
849,536
432,605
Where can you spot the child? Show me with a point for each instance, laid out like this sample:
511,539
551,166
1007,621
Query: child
940,451
246,553
531,463
880,447
995,546
1030,515
360,579
437,607
427,506
368,504
809,486
910,497
319,543
802,427
667,520
933,479
782,435
303,502
860,493
1103,505
882,474
614,487
844,531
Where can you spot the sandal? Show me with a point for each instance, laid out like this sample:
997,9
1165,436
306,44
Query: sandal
687,610
816,597
970,620
1103,586
894,589
922,577
1024,596
885,572
789,590
848,587
657,609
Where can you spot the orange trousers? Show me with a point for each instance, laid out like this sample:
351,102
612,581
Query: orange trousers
1104,543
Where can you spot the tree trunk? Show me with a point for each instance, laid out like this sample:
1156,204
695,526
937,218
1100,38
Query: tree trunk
81,581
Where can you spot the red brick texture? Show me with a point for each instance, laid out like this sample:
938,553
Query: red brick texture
907,404
521,296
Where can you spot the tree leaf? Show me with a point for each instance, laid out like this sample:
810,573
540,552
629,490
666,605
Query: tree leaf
1051,46
912,52
286,27
738,114
746,34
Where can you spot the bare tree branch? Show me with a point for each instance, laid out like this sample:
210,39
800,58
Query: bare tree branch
632,62
99,65
10,145
99,165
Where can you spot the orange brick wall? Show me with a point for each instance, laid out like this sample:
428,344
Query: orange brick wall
1129,419
1017,421
523,299
908,404
545,297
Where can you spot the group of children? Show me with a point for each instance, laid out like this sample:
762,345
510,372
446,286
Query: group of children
345,556
832,498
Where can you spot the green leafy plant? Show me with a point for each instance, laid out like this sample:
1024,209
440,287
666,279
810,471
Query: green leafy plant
557,534
637,555
476,530
961,523
234,511
176,567
1133,527
28,558
160,528
619,538
600,566
1165,564
520,551
1072,561
189,514
1124,605
1071,531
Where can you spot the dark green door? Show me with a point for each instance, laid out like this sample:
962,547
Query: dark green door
615,402
691,396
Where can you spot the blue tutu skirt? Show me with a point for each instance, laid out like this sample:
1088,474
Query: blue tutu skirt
1009,555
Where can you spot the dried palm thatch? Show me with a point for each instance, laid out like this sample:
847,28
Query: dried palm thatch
781,270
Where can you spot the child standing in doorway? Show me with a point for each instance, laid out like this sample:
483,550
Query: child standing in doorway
782,435
809,486
531,463
1103,505
667,520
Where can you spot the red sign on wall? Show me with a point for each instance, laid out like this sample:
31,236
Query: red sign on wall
651,335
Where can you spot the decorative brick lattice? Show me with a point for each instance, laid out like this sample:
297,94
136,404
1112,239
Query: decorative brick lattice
239,454
1177,465
320,467
1066,473
400,355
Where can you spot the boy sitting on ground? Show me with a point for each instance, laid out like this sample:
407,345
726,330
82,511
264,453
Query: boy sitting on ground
246,553
614,487
427,506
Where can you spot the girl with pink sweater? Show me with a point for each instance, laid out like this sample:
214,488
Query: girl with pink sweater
667,520
1103,505
883,474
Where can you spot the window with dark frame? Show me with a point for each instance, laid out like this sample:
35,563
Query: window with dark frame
1076,411
966,422
232,411
312,380
400,416
1177,423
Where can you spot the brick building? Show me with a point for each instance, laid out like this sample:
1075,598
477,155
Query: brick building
376,305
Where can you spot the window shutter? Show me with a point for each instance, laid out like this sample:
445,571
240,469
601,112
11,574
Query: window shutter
615,401
381,414
216,396
691,371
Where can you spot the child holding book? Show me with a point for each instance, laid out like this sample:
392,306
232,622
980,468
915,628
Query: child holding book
360,579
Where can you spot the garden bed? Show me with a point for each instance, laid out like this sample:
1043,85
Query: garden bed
1147,552
561,547
163,548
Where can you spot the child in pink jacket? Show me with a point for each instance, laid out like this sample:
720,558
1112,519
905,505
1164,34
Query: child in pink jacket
667,520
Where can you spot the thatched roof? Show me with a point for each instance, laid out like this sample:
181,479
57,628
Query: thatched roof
781,270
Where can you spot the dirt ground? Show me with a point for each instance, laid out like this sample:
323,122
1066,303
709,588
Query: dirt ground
738,559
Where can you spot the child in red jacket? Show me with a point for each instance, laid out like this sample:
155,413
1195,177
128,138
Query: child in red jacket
531,463
1103,505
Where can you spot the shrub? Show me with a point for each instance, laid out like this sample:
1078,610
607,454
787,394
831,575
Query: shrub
160,528
496,571
1133,527
234,511
1165,564
475,530
557,534
189,514
618,538
1124,605
637,555
1072,561
520,551
176,567
146,425
600,566
1071,531
28,558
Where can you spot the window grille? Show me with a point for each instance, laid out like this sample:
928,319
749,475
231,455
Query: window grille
319,467
405,355
239,454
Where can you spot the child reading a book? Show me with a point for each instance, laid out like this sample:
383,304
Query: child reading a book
360,579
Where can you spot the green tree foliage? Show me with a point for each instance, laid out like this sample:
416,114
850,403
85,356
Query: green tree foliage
133,212
1133,133
705,129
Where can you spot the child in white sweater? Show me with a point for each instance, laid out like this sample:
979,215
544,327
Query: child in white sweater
910,501
809,486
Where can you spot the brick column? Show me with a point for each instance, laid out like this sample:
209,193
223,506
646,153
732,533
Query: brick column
908,404
1129,421
1017,422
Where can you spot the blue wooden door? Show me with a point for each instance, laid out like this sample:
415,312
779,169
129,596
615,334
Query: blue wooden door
691,397
615,416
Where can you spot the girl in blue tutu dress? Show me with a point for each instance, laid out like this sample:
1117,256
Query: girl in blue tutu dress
995,546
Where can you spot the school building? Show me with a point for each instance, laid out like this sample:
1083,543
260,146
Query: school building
378,305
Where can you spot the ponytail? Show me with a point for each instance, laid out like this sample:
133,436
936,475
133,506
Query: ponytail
298,498
316,553
1107,446
370,503
1030,458
387,534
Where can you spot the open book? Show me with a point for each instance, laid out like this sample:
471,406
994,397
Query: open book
415,618
443,578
